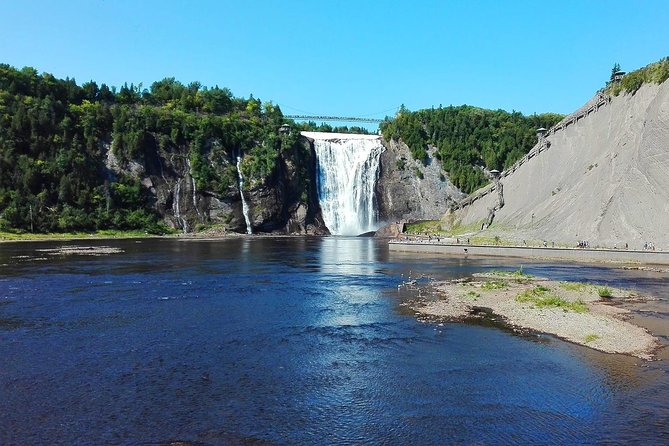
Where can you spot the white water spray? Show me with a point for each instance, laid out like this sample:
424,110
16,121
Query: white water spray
245,206
348,167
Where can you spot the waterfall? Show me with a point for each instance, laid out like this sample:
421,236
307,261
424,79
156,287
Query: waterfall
245,206
192,180
348,167
176,207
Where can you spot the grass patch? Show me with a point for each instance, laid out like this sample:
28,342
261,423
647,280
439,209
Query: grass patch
656,73
542,297
472,294
494,285
513,274
574,286
425,227
458,229
496,241
591,337
604,292
108,233
518,276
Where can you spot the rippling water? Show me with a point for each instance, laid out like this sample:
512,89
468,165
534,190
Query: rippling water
294,341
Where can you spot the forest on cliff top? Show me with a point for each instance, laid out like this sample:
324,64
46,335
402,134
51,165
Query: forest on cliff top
467,139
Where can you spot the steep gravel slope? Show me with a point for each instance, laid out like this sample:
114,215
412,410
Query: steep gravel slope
604,179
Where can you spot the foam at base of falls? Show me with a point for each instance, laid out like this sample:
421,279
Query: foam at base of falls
348,167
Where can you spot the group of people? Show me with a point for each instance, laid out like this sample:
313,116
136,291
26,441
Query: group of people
648,246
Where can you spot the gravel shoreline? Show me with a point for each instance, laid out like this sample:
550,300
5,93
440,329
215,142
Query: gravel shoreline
572,311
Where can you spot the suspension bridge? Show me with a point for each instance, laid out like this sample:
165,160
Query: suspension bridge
334,118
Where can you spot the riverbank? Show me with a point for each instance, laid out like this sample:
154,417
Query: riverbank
437,246
577,312
71,236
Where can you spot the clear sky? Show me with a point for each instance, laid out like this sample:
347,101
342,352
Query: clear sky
341,57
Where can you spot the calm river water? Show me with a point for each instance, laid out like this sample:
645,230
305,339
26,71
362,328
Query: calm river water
295,341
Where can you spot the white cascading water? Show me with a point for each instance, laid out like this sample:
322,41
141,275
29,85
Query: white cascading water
177,208
348,167
192,180
245,205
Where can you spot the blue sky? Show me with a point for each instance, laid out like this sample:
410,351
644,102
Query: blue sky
361,58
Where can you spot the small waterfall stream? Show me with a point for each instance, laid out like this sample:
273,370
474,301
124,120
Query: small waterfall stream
192,179
348,167
176,208
245,206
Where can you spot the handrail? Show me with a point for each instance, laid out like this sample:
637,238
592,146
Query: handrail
541,146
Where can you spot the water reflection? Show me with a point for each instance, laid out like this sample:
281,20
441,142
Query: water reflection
292,341
348,256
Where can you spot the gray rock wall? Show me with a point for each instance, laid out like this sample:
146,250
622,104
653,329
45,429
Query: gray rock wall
283,202
402,194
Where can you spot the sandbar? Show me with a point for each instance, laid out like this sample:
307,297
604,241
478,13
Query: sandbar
576,312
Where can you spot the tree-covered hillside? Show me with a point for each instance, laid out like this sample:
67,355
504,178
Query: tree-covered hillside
55,137
467,138
655,73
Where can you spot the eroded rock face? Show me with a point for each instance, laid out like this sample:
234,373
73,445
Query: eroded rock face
285,202
401,194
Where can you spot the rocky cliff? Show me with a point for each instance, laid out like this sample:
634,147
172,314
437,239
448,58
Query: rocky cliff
601,178
284,201
409,190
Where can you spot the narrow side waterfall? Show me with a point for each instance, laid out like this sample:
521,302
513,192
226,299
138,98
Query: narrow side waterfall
348,167
176,207
245,205
192,180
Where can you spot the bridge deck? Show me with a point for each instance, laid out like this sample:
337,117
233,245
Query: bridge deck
334,118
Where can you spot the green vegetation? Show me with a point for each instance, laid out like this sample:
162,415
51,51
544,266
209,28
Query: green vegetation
108,233
604,292
655,73
542,297
459,229
472,294
55,137
591,337
574,286
494,285
467,138
424,227
516,274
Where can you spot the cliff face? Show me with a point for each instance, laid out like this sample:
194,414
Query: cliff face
285,201
603,179
401,194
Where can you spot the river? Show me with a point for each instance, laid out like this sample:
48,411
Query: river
296,341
